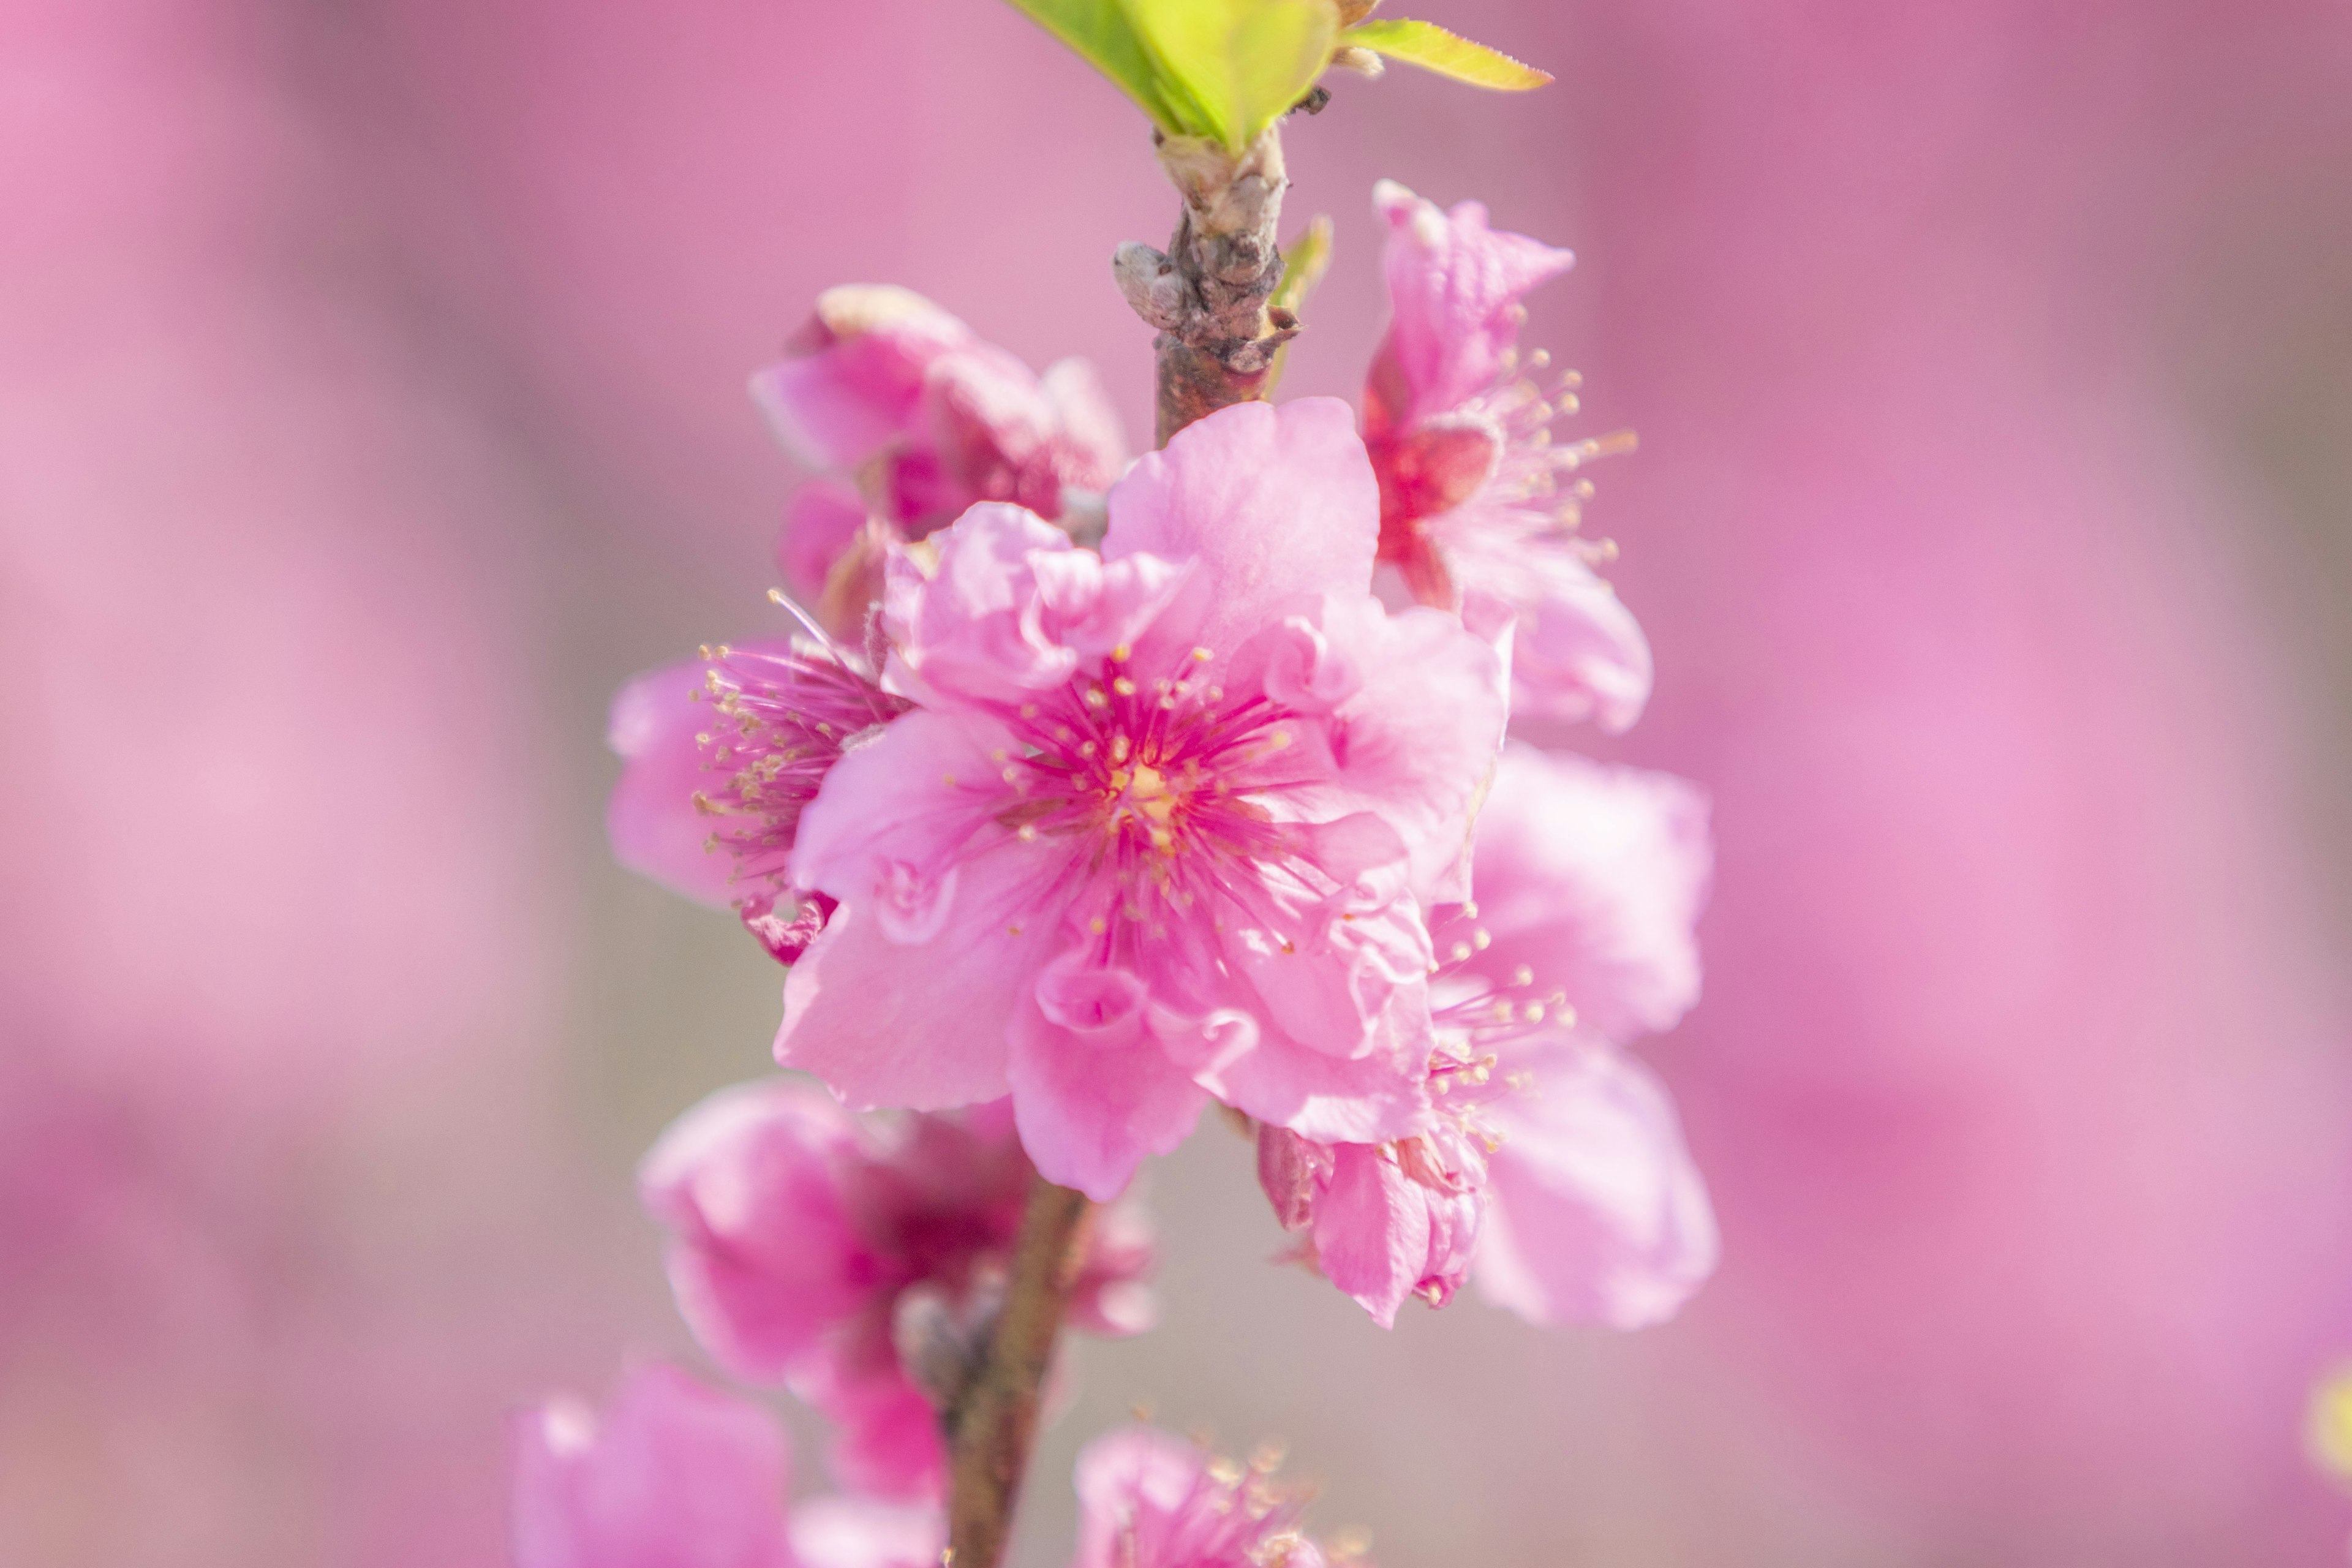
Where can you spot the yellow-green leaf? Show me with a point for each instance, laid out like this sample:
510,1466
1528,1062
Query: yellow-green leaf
1431,47
1098,32
1240,64
1304,261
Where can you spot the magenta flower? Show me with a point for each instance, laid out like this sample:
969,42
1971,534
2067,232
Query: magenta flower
1478,512
1164,821
819,1249
722,754
1556,1156
678,1475
925,420
1148,1499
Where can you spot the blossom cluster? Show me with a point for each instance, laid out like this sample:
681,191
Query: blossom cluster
1090,794
674,1474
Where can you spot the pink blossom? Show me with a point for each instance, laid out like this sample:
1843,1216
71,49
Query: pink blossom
1559,1158
1164,821
721,754
1473,511
677,1475
1149,1500
926,419
811,1246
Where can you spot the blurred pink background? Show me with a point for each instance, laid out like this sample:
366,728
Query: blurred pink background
370,405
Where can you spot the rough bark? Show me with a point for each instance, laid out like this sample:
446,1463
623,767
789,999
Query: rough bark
1208,293
992,1423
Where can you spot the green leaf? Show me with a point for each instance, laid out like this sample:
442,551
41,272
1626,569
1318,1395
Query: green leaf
1100,33
1431,47
1304,261
1238,65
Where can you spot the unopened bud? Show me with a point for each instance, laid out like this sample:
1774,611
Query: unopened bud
1148,282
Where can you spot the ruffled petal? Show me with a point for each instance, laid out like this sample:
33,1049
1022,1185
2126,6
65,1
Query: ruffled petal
653,822
1592,878
1597,1214
765,1258
1275,502
1093,1092
1454,286
822,523
1577,652
673,1475
856,384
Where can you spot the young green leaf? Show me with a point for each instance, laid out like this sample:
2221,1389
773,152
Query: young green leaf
1431,47
1242,62
1100,33
1304,261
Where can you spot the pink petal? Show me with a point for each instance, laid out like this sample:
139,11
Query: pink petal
1328,1098
853,392
1275,501
1093,1092
857,1532
970,624
993,427
652,821
1372,1231
1593,878
1091,447
821,521
886,1438
1598,1214
1416,741
905,997
1454,285
674,1475
764,1258
1577,652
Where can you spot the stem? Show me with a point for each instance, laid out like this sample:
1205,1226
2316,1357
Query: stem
993,1423
1209,293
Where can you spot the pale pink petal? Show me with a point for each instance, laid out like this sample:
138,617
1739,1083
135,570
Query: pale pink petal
1372,1231
1275,501
674,1475
1092,1089
994,428
764,1258
653,822
821,521
858,1532
1591,878
886,1439
1417,736
970,621
1454,286
1597,1212
1091,447
1577,652
1331,1099
851,391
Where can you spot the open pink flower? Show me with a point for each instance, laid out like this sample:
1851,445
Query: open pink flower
1164,821
720,755
677,1475
1478,512
823,1250
1149,1500
925,419
1555,1155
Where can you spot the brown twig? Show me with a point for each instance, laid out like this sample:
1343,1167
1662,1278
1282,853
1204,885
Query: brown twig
993,1422
1209,292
